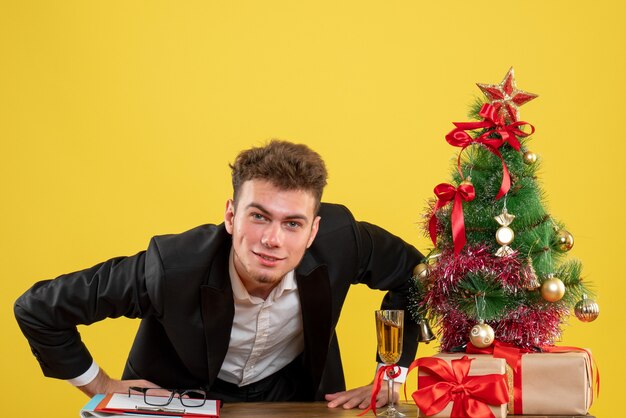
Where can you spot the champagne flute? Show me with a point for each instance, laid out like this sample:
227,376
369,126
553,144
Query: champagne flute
389,329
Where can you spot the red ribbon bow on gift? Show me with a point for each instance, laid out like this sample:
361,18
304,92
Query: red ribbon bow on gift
470,395
447,193
458,137
392,371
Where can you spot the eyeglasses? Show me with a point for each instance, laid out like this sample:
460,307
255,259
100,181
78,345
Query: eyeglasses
191,398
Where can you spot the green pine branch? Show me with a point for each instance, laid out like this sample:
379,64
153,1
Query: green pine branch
481,296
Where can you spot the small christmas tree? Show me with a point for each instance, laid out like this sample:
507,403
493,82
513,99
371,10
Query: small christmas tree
498,267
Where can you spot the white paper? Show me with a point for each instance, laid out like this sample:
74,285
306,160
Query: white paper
136,403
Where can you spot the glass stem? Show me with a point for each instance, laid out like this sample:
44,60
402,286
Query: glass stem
390,391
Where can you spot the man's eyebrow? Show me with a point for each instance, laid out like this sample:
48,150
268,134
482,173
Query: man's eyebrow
260,208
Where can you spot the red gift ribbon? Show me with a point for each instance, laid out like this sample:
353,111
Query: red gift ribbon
458,137
513,357
392,371
447,193
471,395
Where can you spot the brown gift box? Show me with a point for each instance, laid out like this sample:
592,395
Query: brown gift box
481,365
556,383
552,383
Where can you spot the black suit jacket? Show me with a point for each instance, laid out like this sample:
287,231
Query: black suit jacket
180,287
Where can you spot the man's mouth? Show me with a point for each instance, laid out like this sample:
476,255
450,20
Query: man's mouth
268,260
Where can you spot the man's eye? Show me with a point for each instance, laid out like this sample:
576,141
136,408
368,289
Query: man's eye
258,217
293,224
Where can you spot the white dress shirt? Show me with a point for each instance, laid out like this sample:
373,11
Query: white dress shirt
266,334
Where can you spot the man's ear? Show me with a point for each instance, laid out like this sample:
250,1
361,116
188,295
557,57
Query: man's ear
229,216
314,228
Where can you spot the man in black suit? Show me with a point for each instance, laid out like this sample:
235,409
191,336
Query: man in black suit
246,309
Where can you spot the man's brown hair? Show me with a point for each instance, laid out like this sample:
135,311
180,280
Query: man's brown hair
286,165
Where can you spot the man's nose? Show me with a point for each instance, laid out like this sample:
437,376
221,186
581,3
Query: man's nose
272,236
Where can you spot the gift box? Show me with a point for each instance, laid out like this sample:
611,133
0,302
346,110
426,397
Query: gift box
457,385
555,384
550,383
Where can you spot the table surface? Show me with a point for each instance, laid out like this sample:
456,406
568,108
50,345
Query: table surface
319,409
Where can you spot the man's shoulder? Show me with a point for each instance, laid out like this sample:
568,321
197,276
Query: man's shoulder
337,229
205,231
196,243
334,215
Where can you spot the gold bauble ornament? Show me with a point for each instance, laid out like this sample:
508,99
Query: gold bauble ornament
529,158
587,310
467,182
481,335
564,240
552,289
422,271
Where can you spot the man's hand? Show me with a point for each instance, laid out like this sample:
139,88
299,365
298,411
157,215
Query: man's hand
104,384
361,397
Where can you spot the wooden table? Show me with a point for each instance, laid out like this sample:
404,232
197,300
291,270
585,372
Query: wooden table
319,409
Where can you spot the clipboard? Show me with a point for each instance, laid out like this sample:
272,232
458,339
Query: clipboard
123,404
89,411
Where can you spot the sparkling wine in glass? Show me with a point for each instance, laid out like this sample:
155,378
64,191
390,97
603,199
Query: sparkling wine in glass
389,329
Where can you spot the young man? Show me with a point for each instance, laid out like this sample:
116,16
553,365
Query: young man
246,309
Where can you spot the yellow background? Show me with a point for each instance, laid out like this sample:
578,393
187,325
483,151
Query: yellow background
118,119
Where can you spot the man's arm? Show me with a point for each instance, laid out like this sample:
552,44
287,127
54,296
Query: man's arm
386,263
49,312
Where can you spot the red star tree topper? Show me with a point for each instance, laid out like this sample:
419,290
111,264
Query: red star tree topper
506,98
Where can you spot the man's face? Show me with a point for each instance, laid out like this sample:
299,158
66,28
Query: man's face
271,229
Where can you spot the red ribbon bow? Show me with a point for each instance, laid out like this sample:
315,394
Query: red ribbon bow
471,395
447,193
392,371
458,137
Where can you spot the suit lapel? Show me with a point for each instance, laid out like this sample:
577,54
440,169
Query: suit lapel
315,299
218,312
